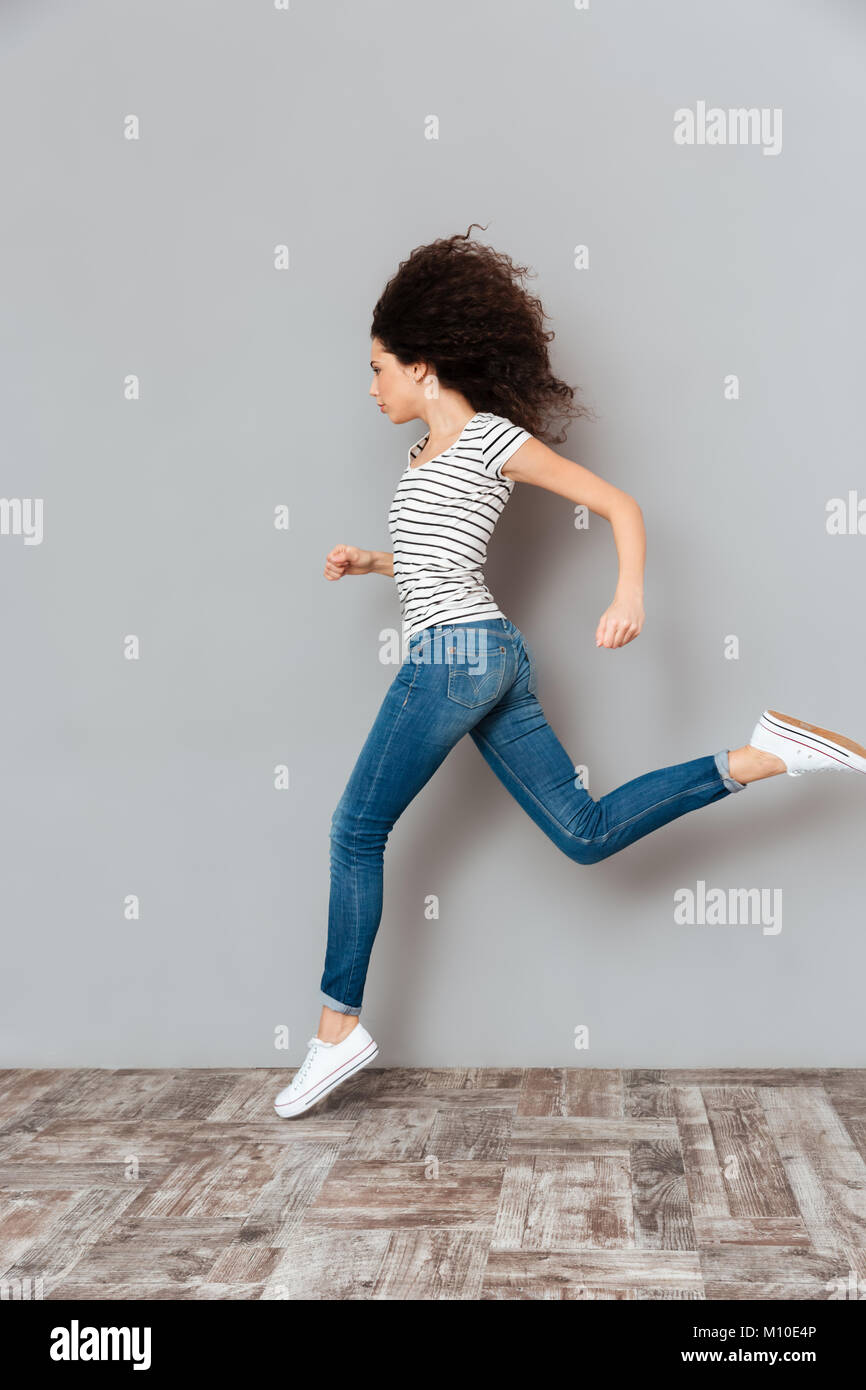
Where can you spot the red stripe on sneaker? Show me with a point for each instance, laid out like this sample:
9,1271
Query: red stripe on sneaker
824,750
365,1048
774,728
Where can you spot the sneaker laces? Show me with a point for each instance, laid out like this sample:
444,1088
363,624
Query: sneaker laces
315,1046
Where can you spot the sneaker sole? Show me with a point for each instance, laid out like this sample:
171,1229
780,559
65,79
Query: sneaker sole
297,1107
826,741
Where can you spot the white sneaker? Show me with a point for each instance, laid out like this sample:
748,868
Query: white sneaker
323,1068
806,747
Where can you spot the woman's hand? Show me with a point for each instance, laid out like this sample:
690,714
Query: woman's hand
347,559
621,622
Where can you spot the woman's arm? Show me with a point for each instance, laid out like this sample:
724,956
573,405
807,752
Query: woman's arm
383,562
535,463
349,559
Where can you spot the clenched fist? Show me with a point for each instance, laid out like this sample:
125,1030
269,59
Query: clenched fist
347,559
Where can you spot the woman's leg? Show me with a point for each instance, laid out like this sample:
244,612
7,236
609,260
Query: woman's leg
418,724
517,742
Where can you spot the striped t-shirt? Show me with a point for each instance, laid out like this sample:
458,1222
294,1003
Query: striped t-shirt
441,520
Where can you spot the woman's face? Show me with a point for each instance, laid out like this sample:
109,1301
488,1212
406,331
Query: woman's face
395,389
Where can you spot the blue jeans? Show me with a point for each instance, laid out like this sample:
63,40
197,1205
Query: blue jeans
478,678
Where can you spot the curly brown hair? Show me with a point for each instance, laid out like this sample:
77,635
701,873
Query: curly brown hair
460,306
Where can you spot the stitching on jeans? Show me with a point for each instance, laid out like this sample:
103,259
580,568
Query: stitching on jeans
456,669
417,665
596,839
472,622
339,1007
373,781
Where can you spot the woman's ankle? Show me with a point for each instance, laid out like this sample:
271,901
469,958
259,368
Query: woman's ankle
748,764
334,1026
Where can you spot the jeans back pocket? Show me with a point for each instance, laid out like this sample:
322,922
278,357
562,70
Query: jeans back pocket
476,659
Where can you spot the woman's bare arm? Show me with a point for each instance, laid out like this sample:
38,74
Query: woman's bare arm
535,463
349,559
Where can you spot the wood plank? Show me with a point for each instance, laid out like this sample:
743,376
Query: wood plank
470,1134
647,1093
191,1094
19,1089
220,1182
94,1213
42,1176
244,1264
369,1194
123,1094
27,1217
278,1209
101,1140
401,1132
147,1291
751,1230
572,1091
151,1250
826,1172
41,1105
446,1098
754,1076
585,1134
847,1091
315,1127
857,1131
327,1265
662,1218
762,1271
432,1264
708,1194
538,1290
752,1169
565,1203
847,1095
600,1269
397,1079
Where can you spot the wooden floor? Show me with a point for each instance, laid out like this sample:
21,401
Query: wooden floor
450,1184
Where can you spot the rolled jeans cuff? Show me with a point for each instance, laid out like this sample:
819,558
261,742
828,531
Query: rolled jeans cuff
725,772
337,1006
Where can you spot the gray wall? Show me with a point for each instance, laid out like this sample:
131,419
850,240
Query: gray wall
155,776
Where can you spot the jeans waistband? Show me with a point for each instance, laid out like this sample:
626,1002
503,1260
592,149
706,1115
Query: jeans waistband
505,623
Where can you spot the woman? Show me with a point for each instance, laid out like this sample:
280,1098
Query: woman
459,343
